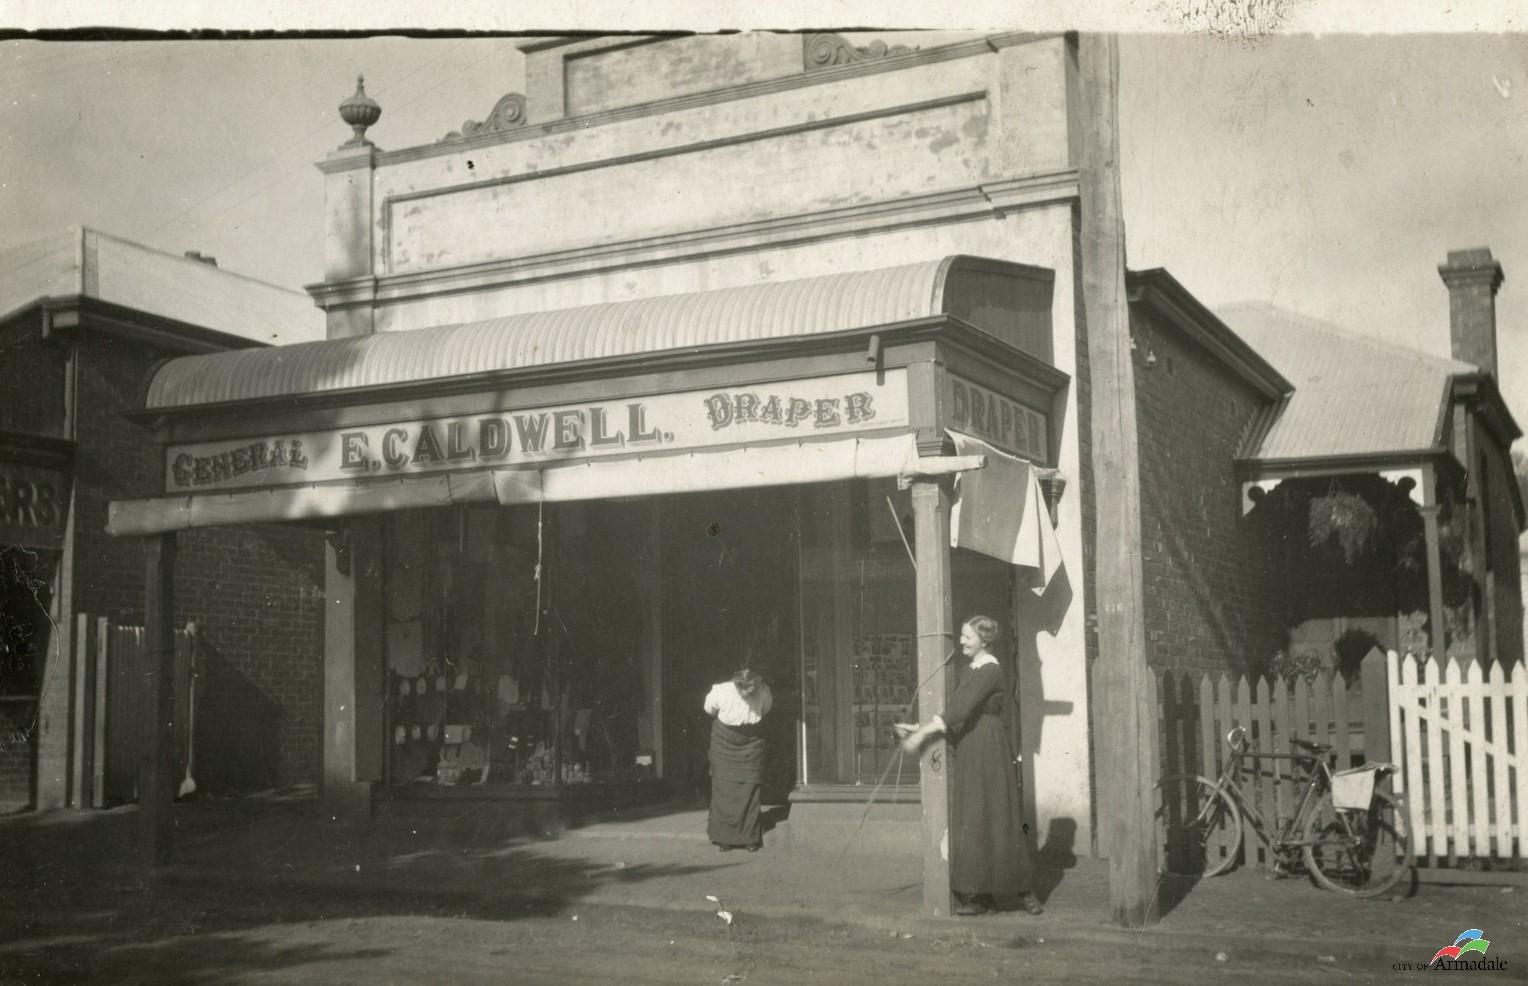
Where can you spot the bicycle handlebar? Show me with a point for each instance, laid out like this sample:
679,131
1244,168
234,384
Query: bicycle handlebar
1236,739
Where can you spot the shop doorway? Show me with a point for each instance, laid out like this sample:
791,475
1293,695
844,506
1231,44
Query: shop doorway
730,597
859,641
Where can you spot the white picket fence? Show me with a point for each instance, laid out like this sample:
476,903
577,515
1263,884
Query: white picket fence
1460,736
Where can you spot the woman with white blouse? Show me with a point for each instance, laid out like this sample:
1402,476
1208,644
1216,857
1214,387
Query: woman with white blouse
738,708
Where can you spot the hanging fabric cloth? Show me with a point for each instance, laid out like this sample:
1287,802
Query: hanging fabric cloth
1000,512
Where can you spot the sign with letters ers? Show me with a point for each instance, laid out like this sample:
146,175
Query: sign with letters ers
34,504
792,409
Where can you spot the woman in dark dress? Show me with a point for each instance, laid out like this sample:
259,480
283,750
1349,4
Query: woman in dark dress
989,852
737,760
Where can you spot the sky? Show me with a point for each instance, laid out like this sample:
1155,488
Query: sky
1327,174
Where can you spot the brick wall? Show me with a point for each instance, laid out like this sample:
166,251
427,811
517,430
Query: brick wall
1206,569
32,400
255,592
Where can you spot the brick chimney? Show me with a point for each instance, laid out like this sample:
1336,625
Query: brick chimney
1472,276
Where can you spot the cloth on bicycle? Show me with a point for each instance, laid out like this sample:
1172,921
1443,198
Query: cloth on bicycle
1354,788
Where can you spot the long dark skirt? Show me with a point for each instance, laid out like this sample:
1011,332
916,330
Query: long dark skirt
989,849
737,770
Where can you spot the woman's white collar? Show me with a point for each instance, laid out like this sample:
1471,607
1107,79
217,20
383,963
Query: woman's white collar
982,660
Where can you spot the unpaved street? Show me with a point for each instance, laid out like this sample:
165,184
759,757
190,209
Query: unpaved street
161,934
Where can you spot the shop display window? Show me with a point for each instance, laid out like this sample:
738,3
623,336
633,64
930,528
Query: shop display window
574,643
26,592
505,663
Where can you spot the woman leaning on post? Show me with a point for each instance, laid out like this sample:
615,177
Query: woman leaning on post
738,708
989,851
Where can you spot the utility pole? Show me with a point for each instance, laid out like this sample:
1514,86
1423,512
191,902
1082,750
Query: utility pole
1125,723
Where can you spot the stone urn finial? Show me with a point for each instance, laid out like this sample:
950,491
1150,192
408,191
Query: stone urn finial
360,111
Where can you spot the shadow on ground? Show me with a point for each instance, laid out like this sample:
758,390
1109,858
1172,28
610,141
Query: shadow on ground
75,907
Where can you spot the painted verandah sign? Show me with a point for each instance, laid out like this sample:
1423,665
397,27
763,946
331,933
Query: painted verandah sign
688,420
990,416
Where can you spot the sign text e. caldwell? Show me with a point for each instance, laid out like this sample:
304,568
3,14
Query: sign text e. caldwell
688,420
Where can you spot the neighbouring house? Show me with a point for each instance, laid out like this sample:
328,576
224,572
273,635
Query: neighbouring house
84,319
1522,554
1388,481
1520,466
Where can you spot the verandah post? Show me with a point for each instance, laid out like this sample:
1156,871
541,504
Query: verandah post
156,765
936,640
1375,676
354,675
1437,634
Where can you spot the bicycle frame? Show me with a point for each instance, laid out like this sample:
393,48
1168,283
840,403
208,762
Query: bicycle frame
1285,839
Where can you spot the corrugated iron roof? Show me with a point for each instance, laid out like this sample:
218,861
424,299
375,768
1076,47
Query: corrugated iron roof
1354,395
810,306
88,263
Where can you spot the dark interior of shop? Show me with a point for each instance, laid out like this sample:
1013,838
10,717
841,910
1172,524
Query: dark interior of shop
574,643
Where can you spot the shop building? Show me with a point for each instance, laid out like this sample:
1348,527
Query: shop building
670,364
84,317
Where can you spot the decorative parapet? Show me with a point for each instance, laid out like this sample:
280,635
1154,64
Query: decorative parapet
508,114
360,111
826,50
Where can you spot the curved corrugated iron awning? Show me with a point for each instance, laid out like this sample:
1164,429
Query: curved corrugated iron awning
806,307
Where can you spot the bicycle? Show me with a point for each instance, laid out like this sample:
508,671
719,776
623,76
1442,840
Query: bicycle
1357,844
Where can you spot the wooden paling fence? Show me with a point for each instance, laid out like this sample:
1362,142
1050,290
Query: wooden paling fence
1460,735
111,665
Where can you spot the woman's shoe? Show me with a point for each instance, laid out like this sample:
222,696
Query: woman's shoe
753,848
970,906
1032,904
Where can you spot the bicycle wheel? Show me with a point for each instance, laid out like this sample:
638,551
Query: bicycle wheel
1198,827
1358,853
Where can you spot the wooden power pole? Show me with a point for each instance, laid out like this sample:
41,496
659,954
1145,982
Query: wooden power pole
1126,773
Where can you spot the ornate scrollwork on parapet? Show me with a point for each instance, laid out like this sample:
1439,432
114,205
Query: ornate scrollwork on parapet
824,50
508,114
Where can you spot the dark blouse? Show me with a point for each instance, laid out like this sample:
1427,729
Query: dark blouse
979,692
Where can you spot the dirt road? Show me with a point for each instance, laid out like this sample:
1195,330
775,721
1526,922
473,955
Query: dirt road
173,934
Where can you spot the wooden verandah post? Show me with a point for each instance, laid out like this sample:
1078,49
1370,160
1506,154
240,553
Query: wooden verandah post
1437,637
156,766
931,520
